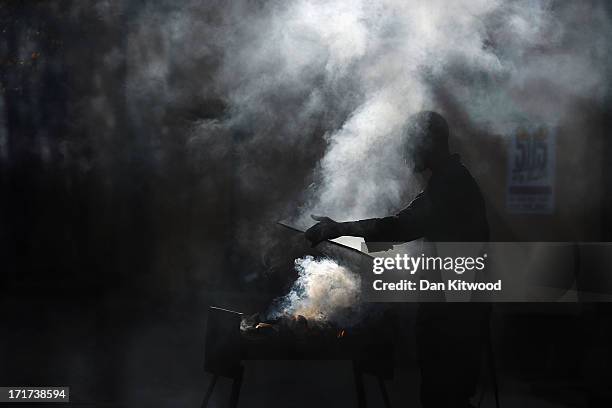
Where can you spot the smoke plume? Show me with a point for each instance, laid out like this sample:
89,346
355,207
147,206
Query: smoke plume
351,72
324,292
249,112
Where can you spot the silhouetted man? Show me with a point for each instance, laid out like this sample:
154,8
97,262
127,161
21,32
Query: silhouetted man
450,336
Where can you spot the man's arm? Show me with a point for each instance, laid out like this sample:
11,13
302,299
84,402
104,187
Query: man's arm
409,224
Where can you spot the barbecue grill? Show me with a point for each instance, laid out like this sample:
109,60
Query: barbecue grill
370,349
233,337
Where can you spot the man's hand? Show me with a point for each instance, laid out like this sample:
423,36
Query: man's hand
325,229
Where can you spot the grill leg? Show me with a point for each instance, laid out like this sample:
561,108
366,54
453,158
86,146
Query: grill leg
358,376
209,391
236,384
383,391
491,358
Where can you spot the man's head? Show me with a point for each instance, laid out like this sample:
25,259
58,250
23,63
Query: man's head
426,138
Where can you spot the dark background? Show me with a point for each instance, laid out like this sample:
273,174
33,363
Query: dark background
117,232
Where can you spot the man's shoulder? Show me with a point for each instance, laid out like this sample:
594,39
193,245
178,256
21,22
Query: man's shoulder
455,171
456,182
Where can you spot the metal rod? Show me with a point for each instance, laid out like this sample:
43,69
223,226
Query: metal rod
491,358
358,376
209,390
383,391
236,384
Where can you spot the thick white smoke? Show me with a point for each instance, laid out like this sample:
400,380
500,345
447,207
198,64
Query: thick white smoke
504,61
353,71
324,292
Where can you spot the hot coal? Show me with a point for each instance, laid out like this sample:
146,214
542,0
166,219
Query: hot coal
296,326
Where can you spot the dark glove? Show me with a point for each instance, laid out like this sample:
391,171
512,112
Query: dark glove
325,229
